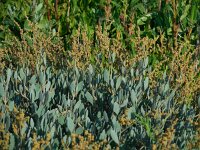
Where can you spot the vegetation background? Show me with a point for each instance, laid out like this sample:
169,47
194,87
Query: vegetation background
106,34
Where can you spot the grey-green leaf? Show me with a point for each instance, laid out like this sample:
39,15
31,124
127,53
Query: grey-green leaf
61,120
80,86
106,75
12,142
89,97
133,96
116,108
102,135
70,124
114,136
2,92
119,80
79,130
146,83
11,105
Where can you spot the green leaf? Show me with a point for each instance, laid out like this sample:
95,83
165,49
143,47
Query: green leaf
140,22
70,124
42,77
77,105
116,108
2,92
79,87
106,76
53,129
11,105
91,69
146,83
114,136
32,80
119,80
12,142
185,13
133,97
61,120
89,97
166,87
21,74
141,7
27,26
38,8
31,123
43,24
9,73
102,135
79,130
72,86
145,62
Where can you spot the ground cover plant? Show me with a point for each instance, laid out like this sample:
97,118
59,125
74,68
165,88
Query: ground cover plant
99,74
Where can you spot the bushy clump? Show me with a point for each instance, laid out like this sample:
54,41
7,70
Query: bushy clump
74,108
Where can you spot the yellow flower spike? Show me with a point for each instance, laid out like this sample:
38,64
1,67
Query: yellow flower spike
21,116
15,129
154,147
2,128
86,132
92,138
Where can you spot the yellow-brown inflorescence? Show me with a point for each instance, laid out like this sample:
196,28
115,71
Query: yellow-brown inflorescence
4,138
41,143
124,121
165,141
84,142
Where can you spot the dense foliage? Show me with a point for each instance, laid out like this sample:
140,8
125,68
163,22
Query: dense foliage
103,74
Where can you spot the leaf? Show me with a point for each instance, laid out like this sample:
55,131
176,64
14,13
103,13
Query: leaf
199,101
185,13
142,111
72,86
133,97
114,136
91,69
9,74
141,7
12,142
116,108
166,87
146,83
31,123
11,105
105,116
61,120
43,23
2,92
21,74
79,130
70,124
52,131
48,85
38,8
119,80
89,97
106,75
113,57
77,105
145,62
42,77
32,80
102,135
79,87
26,25
125,102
